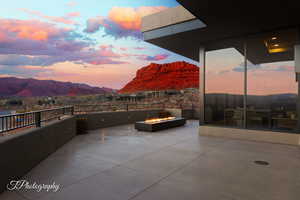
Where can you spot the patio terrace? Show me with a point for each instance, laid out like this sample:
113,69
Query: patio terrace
171,164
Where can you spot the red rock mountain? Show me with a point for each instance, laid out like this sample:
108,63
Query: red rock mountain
11,86
177,75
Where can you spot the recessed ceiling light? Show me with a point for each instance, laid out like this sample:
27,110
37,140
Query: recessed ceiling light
276,45
274,38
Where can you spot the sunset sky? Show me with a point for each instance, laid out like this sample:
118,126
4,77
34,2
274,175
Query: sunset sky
86,41
99,43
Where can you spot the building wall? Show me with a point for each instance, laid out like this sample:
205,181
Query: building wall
19,153
165,18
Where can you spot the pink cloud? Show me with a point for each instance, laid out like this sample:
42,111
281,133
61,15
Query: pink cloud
139,48
71,4
107,51
2,37
36,43
131,18
106,46
154,58
67,19
73,14
94,24
29,29
122,22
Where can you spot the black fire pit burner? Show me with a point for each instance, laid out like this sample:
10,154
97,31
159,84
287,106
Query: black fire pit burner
160,125
261,162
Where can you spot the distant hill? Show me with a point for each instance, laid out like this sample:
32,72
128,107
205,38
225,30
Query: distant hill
16,87
177,76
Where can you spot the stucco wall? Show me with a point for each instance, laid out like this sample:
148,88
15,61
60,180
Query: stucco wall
165,18
108,119
20,152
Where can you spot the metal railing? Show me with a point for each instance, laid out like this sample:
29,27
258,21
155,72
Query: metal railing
35,119
32,119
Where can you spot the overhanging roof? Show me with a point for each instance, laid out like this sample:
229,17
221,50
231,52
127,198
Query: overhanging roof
238,17
226,25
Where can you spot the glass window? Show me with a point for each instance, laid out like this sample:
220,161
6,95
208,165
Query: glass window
224,87
272,89
272,86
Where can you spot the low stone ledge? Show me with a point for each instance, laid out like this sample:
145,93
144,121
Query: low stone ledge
252,135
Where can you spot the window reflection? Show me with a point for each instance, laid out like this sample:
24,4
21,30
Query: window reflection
272,89
224,87
272,96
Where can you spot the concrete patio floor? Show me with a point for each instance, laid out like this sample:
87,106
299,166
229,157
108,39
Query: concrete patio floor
175,164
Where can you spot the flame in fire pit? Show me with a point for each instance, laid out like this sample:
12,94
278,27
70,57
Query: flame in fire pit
156,120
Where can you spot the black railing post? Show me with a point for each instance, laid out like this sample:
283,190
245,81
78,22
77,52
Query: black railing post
64,110
2,124
37,119
72,110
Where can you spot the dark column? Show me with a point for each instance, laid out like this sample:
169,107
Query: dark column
297,70
298,101
202,85
245,85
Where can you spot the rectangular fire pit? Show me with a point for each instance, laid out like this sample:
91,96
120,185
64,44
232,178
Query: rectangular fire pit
159,124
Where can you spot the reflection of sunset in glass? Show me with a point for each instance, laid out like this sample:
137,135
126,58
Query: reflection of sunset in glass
225,75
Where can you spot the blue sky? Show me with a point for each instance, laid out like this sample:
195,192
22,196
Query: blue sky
88,8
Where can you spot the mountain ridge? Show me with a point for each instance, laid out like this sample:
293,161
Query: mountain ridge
19,87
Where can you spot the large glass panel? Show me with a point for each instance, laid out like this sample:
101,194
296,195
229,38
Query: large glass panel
224,87
272,86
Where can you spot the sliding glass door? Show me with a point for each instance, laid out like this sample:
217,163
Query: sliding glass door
262,97
224,87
